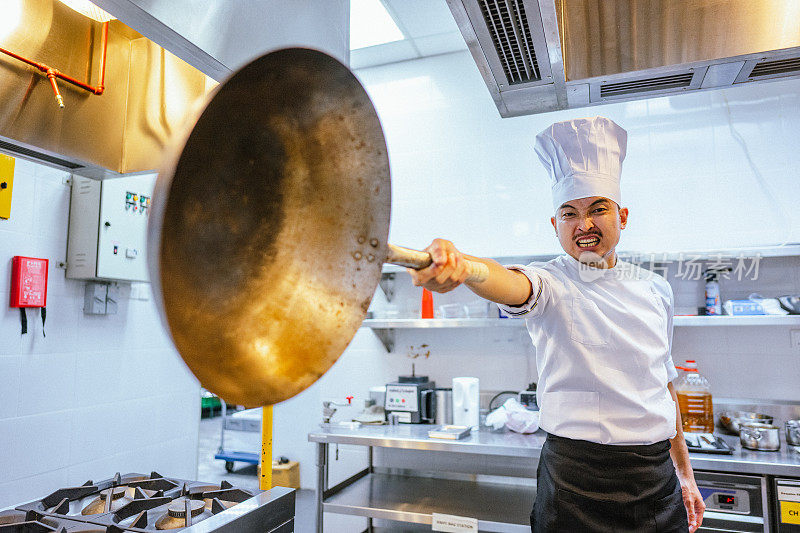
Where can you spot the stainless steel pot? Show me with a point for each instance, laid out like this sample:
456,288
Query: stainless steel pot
444,406
793,432
762,437
731,420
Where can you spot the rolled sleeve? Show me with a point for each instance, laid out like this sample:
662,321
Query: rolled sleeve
535,304
669,303
672,372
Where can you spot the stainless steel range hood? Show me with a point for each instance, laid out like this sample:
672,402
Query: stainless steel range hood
542,55
148,89
219,37
147,94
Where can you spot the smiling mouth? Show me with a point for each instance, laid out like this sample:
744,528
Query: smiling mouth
588,241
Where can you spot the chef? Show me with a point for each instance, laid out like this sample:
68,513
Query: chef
614,458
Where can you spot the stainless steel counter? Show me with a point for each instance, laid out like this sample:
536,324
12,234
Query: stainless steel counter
785,462
483,473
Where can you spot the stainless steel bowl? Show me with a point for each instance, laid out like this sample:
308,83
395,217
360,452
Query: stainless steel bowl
793,432
731,420
762,437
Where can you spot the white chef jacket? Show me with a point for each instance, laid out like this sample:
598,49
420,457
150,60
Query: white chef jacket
603,341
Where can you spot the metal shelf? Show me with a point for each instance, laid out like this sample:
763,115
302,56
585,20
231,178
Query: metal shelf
406,528
422,323
427,323
751,320
384,328
498,507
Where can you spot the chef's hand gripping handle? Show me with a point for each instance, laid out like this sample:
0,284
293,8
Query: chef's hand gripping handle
477,272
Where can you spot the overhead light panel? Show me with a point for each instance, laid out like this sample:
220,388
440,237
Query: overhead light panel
371,24
88,9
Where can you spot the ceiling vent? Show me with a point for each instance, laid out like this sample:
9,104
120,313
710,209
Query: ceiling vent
36,155
508,42
771,68
537,56
624,87
764,69
511,35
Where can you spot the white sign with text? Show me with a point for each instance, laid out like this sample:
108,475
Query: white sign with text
453,524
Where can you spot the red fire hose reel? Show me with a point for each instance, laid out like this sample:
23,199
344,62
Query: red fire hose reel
29,286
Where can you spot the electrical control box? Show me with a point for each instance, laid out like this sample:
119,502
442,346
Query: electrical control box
108,228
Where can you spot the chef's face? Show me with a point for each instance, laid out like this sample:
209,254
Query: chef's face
589,229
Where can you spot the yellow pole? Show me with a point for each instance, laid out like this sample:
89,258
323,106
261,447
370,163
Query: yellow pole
266,448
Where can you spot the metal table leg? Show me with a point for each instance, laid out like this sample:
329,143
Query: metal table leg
369,453
222,431
322,480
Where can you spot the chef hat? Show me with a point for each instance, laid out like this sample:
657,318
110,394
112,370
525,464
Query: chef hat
584,158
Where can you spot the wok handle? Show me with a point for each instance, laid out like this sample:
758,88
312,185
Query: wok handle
417,260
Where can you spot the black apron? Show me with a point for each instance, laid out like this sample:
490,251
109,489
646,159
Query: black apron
584,486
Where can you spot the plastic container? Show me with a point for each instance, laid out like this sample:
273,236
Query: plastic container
452,311
713,303
694,400
477,309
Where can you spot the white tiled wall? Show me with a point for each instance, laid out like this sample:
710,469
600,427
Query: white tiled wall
460,171
704,170
98,394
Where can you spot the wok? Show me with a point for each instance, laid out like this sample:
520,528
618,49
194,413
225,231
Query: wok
269,225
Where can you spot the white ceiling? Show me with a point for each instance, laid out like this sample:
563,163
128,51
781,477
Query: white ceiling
429,29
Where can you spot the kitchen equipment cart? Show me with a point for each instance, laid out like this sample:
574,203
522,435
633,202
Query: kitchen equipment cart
249,421
491,476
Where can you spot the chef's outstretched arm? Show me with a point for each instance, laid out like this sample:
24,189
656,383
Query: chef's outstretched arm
448,271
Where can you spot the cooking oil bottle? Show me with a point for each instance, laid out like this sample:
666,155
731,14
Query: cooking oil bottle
694,400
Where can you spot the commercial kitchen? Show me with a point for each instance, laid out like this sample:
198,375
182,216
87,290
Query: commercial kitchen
207,211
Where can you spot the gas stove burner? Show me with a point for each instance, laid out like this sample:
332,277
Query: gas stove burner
178,509
177,512
140,503
75,501
110,500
